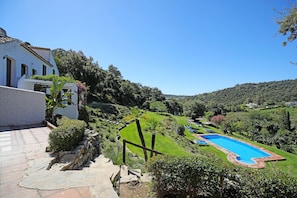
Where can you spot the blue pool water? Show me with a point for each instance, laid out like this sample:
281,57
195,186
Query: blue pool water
244,151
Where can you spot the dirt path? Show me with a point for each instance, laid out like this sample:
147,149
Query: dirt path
140,190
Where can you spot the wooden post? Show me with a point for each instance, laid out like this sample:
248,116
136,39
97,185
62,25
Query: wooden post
141,138
153,142
124,151
139,146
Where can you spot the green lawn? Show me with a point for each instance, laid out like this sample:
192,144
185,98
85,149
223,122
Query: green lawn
288,166
163,144
168,146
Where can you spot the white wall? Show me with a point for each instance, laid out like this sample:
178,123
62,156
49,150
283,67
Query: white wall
42,52
20,55
21,107
71,111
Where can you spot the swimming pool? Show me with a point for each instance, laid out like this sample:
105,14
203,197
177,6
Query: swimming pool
245,153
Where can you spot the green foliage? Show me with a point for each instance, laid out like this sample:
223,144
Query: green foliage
232,99
67,135
199,176
106,119
286,120
167,141
158,106
52,76
152,123
55,99
135,113
270,127
114,153
180,130
194,109
83,114
287,23
104,85
174,107
267,184
218,119
114,70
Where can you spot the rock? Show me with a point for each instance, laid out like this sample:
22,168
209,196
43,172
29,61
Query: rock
48,149
86,152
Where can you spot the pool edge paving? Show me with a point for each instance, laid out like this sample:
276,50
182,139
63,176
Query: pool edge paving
232,157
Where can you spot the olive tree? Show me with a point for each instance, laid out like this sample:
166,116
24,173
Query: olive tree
288,23
194,109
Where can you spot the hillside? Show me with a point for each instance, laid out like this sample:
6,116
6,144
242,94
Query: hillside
259,93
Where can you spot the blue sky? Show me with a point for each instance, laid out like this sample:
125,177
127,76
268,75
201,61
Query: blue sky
182,47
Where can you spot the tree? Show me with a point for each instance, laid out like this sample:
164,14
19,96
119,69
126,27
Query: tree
288,23
115,71
55,99
104,85
285,120
158,106
180,130
194,109
218,119
152,124
174,107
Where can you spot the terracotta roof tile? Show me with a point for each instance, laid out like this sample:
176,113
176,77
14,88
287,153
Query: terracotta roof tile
6,39
27,46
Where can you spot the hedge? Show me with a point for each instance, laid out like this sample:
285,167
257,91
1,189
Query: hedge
67,135
199,176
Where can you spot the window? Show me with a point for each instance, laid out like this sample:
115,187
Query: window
34,72
24,70
8,72
43,70
67,96
41,88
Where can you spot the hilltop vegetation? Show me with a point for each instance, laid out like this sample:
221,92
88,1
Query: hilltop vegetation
110,87
275,92
104,85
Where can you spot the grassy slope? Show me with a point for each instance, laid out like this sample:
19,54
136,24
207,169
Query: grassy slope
288,166
163,144
168,146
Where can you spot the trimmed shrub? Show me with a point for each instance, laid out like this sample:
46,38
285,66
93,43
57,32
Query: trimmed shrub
199,176
67,135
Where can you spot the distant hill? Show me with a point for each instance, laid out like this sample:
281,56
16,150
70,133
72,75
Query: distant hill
177,97
259,93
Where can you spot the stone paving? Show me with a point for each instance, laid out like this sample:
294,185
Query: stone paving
23,161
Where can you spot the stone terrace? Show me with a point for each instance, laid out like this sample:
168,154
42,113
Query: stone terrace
23,161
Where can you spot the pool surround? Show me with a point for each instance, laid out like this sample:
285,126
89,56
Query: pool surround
232,157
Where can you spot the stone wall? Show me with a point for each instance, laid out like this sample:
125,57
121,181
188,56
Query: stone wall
87,151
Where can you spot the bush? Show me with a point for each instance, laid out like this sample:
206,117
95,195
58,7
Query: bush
180,130
199,176
67,135
83,114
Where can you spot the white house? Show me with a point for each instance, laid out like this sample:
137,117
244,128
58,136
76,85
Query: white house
20,60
